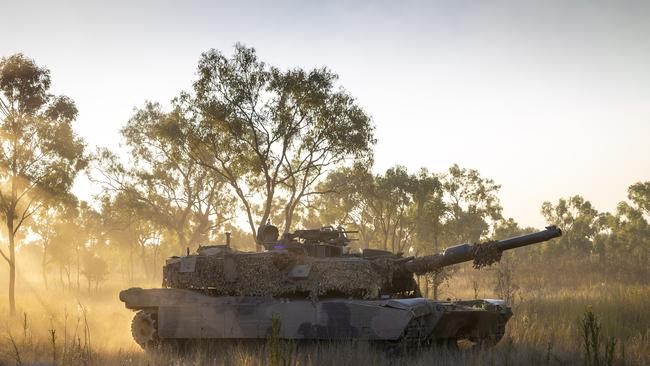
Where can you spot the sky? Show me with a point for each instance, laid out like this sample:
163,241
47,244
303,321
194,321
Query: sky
548,98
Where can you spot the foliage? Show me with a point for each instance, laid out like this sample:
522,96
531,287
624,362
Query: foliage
95,269
579,220
506,286
417,211
622,237
472,203
279,353
162,183
266,130
40,155
593,342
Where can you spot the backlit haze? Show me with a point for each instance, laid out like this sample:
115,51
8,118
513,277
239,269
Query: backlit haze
548,98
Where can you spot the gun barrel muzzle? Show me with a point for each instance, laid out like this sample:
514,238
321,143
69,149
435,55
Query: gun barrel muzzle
523,240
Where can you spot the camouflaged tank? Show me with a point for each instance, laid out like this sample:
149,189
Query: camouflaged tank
319,291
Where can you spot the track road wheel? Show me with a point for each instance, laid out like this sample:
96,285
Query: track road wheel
144,329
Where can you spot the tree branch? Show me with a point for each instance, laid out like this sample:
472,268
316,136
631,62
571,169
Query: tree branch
5,256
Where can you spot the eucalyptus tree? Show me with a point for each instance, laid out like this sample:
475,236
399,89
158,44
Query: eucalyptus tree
472,204
428,211
268,131
626,238
127,230
389,210
161,182
40,155
389,199
44,226
340,206
579,220
74,228
343,203
639,194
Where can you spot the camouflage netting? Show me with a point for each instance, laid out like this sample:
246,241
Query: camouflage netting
268,274
236,274
485,254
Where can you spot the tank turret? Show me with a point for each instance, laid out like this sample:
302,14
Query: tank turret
317,263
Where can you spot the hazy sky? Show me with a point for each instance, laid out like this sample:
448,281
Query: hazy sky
548,98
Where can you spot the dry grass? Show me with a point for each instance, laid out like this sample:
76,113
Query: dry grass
74,328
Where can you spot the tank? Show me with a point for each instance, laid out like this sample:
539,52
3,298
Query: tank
318,289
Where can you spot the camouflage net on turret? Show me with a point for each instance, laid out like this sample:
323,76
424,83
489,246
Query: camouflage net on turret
485,254
237,274
268,274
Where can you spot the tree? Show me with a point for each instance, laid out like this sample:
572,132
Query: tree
426,190
639,194
579,221
472,204
95,269
627,234
268,131
343,205
508,228
45,224
128,231
430,211
163,183
388,198
379,206
40,154
73,228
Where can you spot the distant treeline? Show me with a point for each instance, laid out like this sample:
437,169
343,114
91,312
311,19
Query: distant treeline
249,144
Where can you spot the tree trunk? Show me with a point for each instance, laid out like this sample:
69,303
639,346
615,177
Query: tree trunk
143,256
153,269
131,264
288,218
289,210
249,215
44,266
12,271
67,274
78,270
182,241
61,277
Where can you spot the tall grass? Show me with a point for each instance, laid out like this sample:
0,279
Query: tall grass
550,327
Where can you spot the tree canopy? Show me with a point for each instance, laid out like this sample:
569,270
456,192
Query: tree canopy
40,155
271,132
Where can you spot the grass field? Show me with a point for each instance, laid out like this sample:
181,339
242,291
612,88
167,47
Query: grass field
67,327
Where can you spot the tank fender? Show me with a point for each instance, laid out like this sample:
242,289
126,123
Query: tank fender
418,306
496,302
137,298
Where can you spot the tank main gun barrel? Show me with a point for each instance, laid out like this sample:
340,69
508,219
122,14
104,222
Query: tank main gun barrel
467,252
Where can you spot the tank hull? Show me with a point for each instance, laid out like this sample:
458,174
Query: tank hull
187,314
